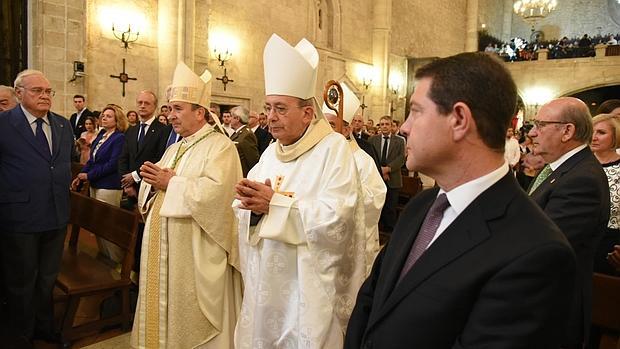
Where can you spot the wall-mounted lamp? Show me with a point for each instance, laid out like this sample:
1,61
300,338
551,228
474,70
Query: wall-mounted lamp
533,98
395,83
126,36
366,75
222,51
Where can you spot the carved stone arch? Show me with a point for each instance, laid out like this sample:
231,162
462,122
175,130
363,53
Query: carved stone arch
325,22
615,82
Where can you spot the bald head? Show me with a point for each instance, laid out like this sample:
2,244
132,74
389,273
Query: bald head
576,112
561,126
357,123
8,98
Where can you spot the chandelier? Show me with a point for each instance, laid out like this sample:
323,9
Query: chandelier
534,10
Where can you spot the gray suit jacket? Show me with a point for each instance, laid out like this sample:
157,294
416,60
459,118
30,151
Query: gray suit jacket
395,158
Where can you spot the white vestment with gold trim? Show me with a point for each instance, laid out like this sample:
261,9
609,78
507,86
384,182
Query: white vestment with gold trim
198,282
373,191
304,262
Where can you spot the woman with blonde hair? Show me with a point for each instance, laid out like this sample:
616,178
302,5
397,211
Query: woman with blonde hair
605,141
101,170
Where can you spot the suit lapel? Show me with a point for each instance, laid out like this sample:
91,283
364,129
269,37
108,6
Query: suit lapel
391,148
19,121
401,250
548,183
57,132
235,135
150,133
376,143
466,232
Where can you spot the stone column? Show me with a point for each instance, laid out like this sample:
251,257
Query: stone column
167,42
507,24
471,41
382,19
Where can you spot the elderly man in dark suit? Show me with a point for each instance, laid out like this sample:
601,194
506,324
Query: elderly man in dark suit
263,137
79,117
473,263
573,191
35,173
391,150
244,138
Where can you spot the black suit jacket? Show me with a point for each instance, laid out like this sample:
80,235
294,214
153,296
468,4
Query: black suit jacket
362,135
370,150
77,130
263,137
153,147
34,188
576,197
492,279
395,158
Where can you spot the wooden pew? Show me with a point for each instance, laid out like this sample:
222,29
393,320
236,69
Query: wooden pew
83,275
606,309
411,186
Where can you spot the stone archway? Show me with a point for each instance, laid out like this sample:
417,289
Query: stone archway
326,23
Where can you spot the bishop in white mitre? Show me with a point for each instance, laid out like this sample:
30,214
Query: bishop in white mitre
301,257
372,187
190,285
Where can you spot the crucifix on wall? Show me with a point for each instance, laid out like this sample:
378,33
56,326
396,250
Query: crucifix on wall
123,77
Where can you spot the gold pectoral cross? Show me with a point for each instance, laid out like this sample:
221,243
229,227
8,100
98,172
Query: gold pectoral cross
276,189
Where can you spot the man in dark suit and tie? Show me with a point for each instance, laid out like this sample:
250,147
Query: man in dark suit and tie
358,128
263,137
244,138
145,141
79,117
473,263
391,150
35,173
573,191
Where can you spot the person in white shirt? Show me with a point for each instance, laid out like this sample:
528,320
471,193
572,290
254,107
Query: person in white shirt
512,151
372,189
466,254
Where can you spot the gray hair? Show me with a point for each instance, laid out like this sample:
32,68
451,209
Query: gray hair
242,113
9,89
23,74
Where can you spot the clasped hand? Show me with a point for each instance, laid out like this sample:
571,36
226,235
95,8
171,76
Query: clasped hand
254,196
156,176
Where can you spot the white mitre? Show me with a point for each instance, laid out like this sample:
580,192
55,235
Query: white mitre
291,71
188,87
351,104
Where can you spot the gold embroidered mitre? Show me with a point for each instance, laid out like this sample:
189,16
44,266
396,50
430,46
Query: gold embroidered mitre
188,87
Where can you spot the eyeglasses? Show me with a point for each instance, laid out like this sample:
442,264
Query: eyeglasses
542,123
37,91
280,110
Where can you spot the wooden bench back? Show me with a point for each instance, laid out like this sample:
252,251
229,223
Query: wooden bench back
109,222
606,301
411,185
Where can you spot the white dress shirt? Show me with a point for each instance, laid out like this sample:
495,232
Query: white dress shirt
463,195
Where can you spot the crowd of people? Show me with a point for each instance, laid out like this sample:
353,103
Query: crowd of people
261,229
519,49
